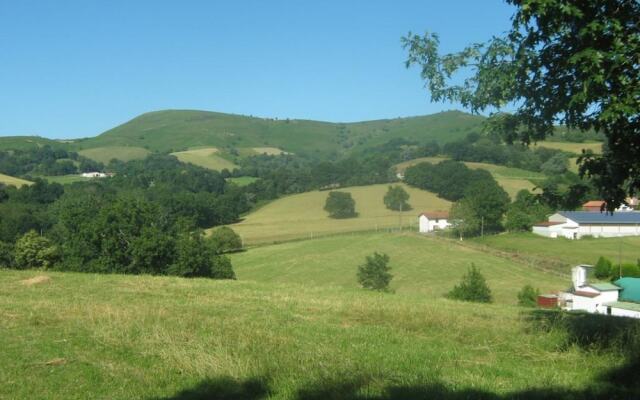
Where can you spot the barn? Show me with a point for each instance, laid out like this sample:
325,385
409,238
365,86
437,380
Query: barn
576,224
433,221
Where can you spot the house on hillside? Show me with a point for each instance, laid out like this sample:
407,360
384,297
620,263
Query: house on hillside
433,221
621,298
576,224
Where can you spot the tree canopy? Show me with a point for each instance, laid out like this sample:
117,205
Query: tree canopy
569,62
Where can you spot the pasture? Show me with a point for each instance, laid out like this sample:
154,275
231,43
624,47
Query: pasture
77,336
424,266
122,153
303,216
512,180
13,181
573,252
242,180
570,147
207,157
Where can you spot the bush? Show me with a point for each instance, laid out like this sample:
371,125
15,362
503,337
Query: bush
195,259
224,240
374,273
603,268
528,296
340,205
34,251
221,268
473,287
630,270
7,259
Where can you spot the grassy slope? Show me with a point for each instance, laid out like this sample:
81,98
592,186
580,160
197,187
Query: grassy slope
10,180
205,157
175,130
242,180
426,266
67,179
27,142
82,336
511,179
575,148
302,215
107,153
585,251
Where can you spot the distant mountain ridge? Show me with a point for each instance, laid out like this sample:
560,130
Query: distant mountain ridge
176,130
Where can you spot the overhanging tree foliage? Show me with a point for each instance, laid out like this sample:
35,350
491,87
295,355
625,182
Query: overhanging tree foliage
569,62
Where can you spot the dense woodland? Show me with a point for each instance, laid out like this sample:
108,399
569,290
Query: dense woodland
45,161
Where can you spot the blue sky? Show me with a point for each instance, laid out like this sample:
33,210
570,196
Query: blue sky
76,68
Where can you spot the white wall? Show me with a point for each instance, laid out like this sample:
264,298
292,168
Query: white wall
620,312
594,304
430,225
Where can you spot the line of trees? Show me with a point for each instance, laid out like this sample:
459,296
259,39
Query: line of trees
45,160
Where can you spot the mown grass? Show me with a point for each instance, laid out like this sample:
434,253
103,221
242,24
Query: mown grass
426,266
583,251
205,157
67,179
512,180
242,180
303,216
122,153
575,148
13,181
79,336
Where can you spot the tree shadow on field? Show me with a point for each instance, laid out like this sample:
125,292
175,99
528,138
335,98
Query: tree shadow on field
593,333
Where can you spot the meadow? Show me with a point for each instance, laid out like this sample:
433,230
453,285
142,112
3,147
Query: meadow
303,216
13,181
206,157
511,179
569,147
122,153
572,252
78,336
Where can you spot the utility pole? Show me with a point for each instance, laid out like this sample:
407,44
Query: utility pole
400,218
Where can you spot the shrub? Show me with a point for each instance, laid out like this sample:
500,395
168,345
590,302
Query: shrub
34,251
528,296
7,259
374,273
221,268
603,268
224,240
630,270
340,205
195,259
473,287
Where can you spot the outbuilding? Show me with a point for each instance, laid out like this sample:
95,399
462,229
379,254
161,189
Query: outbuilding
433,221
576,224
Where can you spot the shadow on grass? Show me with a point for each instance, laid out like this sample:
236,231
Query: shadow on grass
590,332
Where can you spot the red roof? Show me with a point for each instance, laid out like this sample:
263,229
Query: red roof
436,214
593,203
586,294
547,223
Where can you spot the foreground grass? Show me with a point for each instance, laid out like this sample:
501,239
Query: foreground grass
79,336
303,216
424,266
205,157
512,180
13,181
122,153
583,251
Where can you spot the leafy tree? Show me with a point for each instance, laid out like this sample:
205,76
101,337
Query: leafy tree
524,212
225,240
481,209
193,257
374,273
34,251
528,296
396,199
573,63
472,287
7,257
558,164
340,205
603,269
221,268
630,270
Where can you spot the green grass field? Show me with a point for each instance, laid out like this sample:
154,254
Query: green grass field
242,180
205,157
13,181
569,147
78,336
122,153
573,252
66,179
418,262
303,216
512,180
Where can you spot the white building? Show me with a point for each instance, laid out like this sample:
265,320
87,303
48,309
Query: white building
433,221
575,224
619,299
94,175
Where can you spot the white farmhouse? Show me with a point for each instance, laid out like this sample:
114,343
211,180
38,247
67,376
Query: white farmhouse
620,299
433,221
94,175
575,224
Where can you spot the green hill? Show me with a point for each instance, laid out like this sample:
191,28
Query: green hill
10,180
29,142
180,130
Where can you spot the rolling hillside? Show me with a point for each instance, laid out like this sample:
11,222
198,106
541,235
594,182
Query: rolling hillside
512,180
12,181
180,130
303,216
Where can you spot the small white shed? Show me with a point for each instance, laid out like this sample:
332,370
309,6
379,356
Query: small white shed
433,221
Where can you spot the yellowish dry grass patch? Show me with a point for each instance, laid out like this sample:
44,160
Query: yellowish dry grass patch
206,157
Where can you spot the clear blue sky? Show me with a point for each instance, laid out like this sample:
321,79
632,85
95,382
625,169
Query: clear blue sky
76,68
